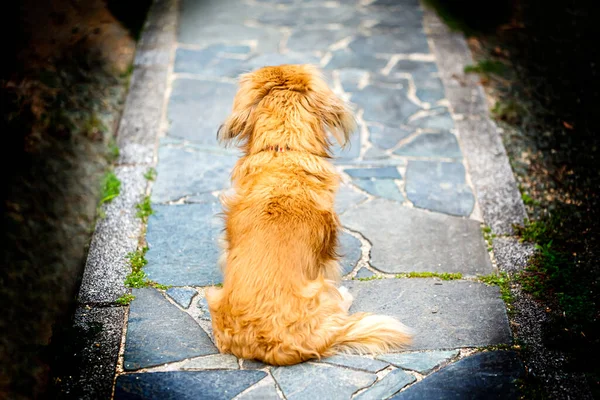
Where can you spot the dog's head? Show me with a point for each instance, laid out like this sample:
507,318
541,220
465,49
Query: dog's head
289,106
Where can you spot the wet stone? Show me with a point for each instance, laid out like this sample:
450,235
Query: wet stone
439,121
182,296
356,362
211,62
347,197
203,306
412,240
386,137
351,79
312,40
188,385
341,59
387,386
197,108
158,333
487,375
442,144
422,362
214,361
385,105
350,249
183,244
442,314
181,172
319,381
409,41
364,273
439,186
379,173
384,188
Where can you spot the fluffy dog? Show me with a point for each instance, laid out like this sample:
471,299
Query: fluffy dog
279,302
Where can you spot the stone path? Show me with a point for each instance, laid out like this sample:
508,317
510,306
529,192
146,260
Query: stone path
406,205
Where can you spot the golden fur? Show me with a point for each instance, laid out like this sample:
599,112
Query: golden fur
279,303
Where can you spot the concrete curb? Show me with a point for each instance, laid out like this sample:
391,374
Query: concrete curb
118,233
492,177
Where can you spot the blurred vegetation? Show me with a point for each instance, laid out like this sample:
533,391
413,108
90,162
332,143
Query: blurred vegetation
546,94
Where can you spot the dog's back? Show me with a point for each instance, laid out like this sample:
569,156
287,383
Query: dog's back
279,303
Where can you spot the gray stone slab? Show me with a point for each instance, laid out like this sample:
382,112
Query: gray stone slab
490,375
443,314
364,273
347,197
439,186
349,153
210,62
344,58
319,381
268,59
213,361
202,304
408,239
387,137
383,104
408,41
418,69
356,362
307,15
264,390
350,251
181,172
158,333
182,296
140,122
189,385
303,40
437,121
380,173
430,90
115,236
253,364
197,108
387,386
384,188
96,339
421,362
183,244
375,153
352,78
433,145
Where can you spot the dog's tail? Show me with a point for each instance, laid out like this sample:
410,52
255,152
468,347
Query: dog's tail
364,333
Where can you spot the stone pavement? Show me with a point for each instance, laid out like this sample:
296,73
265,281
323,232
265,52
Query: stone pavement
407,205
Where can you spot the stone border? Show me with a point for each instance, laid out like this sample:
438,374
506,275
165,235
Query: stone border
97,314
491,174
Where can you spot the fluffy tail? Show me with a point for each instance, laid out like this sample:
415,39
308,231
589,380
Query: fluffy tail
367,333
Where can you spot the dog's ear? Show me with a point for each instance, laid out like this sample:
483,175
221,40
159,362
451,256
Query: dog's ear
334,113
238,125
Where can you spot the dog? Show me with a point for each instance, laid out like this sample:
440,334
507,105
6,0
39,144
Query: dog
279,302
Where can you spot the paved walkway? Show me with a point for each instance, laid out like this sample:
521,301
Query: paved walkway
406,205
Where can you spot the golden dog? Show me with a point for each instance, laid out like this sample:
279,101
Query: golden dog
279,303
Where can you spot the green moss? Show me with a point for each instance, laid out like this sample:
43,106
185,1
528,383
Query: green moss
488,236
137,278
486,67
144,209
113,151
369,278
510,112
503,281
150,174
111,187
125,299
443,276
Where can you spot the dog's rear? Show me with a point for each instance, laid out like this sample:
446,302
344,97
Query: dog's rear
279,303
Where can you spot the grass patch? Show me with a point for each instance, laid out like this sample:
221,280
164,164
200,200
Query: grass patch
137,278
125,299
445,276
488,236
113,151
111,187
368,278
487,67
144,209
502,280
509,111
150,174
